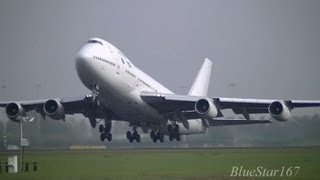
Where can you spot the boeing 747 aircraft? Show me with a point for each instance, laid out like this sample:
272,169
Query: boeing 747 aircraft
122,92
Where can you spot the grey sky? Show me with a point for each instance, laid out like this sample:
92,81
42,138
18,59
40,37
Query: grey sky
270,48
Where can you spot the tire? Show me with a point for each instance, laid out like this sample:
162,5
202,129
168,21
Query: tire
154,140
131,140
161,138
109,137
135,134
170,128
138,138
158,135
101,128
176,128
108,127
178,137
102,137
152,134
170,137
129,135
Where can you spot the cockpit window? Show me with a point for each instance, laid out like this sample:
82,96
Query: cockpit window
95,41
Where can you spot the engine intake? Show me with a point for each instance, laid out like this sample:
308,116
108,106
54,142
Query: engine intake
14,110
54,109
206,107
279,111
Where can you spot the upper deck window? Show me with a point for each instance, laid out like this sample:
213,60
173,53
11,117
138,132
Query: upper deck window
95,41
129,64
122,61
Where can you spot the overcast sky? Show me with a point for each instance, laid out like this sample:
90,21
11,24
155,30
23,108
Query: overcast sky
271,49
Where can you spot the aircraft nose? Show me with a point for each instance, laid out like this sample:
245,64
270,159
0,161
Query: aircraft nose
83,59
85,66
83,55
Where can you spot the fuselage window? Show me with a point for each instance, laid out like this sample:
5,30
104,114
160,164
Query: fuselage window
104,60
130,73
129,64
122,61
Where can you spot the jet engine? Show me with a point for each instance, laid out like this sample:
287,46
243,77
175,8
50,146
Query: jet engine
14,110
54,109
207,108
279,111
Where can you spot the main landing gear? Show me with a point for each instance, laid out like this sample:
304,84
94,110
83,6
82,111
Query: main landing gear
133,136
174,132
105,131
157,135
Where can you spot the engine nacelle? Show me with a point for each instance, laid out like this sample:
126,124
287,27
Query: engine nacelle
54,109
279,111
14,110
206,108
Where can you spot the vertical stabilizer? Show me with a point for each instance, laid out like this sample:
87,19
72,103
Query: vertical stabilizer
201,83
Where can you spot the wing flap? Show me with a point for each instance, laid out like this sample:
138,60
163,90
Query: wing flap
303,103
228,122
168,103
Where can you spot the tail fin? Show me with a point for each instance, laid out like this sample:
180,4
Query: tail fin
201,83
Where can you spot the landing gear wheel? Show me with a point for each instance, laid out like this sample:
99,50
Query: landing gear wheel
161,138
178,137
170,137
102,137
109,137
135,134
138,138
129,135
176,128
170,128
131,139
155,140
101,128
108,127
152,135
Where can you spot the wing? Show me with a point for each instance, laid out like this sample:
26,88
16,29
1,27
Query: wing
170,103
257,106
77,105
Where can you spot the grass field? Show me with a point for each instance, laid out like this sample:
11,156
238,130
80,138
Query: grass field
166,163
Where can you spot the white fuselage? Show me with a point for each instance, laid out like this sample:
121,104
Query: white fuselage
120,83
